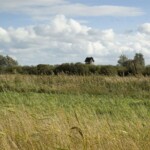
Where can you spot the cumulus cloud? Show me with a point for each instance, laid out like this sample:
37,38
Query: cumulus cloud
66,40
4,37
145,28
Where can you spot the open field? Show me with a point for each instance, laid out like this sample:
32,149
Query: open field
74,113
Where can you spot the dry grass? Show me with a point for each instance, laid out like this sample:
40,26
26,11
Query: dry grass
131,86
74,113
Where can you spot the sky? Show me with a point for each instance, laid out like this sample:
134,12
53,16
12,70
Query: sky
67,31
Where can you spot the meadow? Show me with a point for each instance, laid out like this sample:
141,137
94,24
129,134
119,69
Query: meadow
74,112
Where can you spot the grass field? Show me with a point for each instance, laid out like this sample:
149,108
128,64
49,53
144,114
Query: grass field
74,113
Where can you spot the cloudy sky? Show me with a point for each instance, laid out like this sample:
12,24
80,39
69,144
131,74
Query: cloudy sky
58,31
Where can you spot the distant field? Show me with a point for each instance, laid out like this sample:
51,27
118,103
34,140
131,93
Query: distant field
74,113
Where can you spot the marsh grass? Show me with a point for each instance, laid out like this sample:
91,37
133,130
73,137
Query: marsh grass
74,113
96,85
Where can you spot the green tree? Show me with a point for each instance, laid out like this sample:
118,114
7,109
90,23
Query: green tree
147,71
7,61
139,63
139,59
131,67
122,60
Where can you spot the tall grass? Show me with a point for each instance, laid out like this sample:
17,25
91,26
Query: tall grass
96,85
74,113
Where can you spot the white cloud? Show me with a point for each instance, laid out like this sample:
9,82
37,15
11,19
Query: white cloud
145,28
19,4
66,40
101,10
43,9
108,34
4,37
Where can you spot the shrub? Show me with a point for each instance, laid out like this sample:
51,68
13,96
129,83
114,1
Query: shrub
108,70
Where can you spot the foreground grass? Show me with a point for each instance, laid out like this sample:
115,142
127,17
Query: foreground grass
74,113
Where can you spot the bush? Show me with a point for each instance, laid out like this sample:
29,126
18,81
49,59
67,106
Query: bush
72,69
122,71
108,70
45,69
147,71
29,70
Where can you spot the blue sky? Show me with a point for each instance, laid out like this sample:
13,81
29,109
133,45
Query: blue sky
16,19
74,29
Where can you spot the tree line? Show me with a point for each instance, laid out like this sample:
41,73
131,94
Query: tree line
125,67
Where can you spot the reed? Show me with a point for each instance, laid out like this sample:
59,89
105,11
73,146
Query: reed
74,113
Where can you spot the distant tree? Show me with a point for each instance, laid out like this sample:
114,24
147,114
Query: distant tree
147,71
7,61
131,67
139,63
139,58
122,60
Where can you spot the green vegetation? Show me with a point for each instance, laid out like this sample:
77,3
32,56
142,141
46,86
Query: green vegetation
74,112
125,67
7,61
